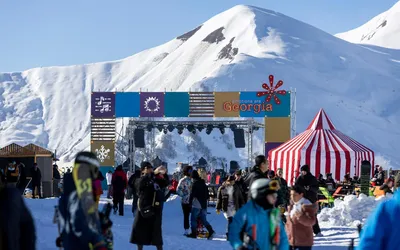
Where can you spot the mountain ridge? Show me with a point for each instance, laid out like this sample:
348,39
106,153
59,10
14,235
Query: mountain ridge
382,30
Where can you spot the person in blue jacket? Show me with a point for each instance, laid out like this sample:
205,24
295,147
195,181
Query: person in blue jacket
257,225
382,230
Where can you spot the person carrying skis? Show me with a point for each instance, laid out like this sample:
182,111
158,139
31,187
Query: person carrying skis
79,221
257,225
382,230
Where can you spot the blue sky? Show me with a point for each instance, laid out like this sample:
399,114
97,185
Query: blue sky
66,32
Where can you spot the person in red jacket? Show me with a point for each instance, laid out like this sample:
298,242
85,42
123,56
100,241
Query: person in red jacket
119,183
173,187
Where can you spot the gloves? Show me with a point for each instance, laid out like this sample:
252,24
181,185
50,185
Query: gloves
218,211
59,242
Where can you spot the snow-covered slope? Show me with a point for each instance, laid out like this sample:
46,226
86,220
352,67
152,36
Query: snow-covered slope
382,30
235,50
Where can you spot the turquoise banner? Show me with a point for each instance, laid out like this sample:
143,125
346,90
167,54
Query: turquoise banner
176,104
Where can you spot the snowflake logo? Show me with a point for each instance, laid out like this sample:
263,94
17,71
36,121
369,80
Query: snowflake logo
272,91
102,153
152,104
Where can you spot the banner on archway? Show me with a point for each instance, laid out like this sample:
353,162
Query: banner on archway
272,103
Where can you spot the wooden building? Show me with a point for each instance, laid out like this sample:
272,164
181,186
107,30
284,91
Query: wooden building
28,155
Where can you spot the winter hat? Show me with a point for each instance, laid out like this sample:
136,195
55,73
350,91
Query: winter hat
195,175
305,168
145,164
271,174
88,158
187,170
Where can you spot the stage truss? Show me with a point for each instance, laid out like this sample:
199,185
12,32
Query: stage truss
248,125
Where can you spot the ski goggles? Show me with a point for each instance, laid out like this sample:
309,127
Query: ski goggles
274,185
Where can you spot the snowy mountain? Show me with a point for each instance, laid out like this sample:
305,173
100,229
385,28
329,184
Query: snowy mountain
382,30
236,50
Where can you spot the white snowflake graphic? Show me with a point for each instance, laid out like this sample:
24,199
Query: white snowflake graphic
102,153
147,103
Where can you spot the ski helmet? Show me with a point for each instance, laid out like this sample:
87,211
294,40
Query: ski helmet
262,187
89,159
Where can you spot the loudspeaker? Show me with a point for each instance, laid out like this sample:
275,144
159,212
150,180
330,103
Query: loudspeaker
139,138
234,165
238,136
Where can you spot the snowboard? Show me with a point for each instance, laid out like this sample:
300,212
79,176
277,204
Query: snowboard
84,188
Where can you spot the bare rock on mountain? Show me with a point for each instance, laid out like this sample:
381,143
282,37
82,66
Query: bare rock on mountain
215,37
228,52
189,34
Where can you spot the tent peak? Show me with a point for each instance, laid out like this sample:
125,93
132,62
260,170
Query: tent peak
321,121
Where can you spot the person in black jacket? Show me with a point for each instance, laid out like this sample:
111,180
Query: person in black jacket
198,198
56,180
239,181
147,224
21,185
36,181
229,199
17,229
310,184
257,172
132,183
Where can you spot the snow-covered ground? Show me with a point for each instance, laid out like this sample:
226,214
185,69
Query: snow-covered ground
233,51
334,237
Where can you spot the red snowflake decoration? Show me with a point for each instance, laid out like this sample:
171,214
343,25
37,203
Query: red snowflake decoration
272,91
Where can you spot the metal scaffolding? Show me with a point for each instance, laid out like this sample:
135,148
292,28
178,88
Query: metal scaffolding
248,125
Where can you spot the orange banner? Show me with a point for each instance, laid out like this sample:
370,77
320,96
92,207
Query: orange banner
277,129
222,104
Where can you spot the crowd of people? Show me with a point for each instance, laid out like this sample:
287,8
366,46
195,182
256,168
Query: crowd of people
261,211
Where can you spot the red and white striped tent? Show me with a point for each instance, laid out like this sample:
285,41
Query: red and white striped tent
324,148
